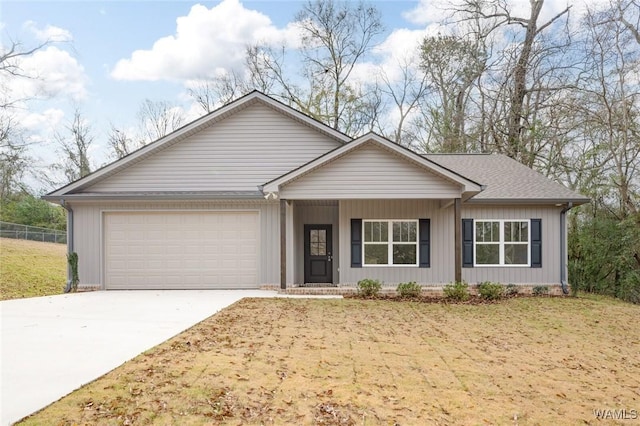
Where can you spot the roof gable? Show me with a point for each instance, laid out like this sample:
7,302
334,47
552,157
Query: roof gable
393,151
196,127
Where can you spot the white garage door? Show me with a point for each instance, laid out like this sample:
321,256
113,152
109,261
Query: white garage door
181,250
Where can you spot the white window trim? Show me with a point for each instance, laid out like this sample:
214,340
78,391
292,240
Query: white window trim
390,244
501,244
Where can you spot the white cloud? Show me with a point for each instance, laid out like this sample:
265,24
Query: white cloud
49,33
206,41
45,121
52,72
428,11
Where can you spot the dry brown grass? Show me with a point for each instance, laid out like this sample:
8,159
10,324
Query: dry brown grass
31,268
351,362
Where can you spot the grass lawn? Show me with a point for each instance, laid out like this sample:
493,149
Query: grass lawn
352,362
30,268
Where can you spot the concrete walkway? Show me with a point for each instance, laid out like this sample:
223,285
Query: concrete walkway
52,345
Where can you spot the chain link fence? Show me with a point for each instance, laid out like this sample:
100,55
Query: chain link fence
33,233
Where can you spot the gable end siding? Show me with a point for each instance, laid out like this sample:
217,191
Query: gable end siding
238,153
369,172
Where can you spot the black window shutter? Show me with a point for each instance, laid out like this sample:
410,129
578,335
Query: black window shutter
424,243
467,243
536,243
356,243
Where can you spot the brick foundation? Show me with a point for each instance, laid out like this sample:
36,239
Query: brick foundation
427,291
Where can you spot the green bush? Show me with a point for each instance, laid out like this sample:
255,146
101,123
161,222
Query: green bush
369,287
511,290
410,289
490,291
540,290
458,291
72,259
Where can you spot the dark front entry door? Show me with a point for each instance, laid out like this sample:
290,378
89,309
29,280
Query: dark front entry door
318,250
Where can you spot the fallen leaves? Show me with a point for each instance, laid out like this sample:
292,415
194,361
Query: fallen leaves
345,362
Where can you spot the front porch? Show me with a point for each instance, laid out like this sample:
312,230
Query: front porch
320,256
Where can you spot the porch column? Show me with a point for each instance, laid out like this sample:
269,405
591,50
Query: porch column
457,225
283,244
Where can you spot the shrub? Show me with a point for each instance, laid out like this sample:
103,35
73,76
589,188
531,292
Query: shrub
72,259
511,290
369,287
410,289
458,291
540,290
490,291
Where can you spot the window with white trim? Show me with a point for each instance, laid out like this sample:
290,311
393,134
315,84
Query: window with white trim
502,242
390,242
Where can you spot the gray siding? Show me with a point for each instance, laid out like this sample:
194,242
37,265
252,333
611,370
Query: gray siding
88,239
550,271
245,150
442,243
314,215
442,248
369,172
88,228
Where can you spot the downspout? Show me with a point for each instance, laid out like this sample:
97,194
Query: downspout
563,248
69,210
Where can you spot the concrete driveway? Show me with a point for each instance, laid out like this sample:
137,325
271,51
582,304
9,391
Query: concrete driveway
52,345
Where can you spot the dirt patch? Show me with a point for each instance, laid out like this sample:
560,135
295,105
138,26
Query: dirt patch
354,362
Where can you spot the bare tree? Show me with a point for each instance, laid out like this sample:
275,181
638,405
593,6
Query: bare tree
121,143
74,147
609,105
335,37
10,58
513,86
158,119
406,94
451,65
212,93
14,160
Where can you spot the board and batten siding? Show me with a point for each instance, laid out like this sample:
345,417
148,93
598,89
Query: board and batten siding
314,215
370,172
88,226
549,274
247,149
442,243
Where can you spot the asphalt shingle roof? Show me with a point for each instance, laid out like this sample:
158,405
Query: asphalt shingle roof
506,179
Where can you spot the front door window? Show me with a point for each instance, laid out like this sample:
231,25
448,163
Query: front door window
318,267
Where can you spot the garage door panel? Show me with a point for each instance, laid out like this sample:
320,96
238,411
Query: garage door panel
173,250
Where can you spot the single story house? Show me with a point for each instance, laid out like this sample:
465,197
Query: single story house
257,194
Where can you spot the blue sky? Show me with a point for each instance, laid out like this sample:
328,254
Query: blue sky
114,54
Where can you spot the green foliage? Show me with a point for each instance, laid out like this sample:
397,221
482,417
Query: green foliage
604,255
369,288
491,291
72,258
26,209
458,291
408,290
540,290
511,290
